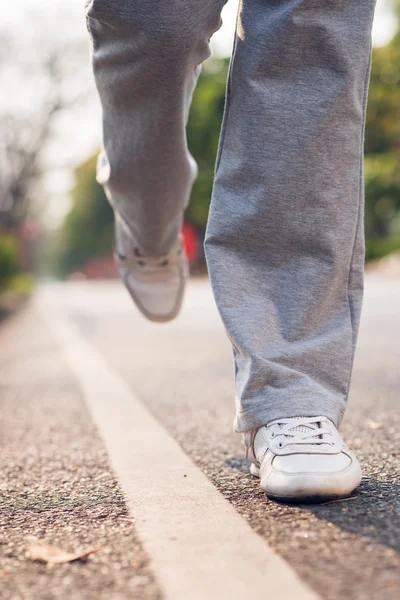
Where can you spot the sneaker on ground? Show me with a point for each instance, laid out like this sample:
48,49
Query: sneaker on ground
156,284
302,459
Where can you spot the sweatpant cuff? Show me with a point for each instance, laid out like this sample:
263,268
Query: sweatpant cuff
286,408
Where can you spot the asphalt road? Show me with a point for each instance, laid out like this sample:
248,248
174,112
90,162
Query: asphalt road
57,485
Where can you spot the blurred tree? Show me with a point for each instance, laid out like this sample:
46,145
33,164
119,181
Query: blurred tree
383,122
382,193
9,259
88,229
382,149
45,82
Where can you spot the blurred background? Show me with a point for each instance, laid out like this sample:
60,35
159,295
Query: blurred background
50,120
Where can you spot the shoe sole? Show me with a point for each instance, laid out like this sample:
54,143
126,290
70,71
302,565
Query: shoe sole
160,318
157,318
314,499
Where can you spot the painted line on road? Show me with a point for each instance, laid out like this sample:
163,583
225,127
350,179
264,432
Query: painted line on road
199,546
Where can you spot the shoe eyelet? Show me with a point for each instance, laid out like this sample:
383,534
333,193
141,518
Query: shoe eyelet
273,434
280,445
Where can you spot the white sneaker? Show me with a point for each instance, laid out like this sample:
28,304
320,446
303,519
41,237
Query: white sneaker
156,285
302,459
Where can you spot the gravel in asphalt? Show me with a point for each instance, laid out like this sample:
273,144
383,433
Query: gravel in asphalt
56,484
183,372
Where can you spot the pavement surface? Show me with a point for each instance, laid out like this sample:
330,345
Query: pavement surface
57,484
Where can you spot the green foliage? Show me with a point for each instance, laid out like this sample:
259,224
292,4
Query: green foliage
380,247
21,284
203,135
382,152
9,259
88,229
382,193
383,115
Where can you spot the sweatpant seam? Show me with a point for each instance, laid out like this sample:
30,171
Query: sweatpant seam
228,101
360,204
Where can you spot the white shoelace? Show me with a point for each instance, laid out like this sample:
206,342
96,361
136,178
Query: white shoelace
300,430
307,430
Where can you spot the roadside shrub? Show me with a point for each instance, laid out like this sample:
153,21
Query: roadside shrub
380,247
9,258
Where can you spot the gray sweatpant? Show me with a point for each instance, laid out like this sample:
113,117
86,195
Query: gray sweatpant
285,243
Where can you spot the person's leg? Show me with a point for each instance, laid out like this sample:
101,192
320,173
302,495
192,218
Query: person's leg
146,58
285,237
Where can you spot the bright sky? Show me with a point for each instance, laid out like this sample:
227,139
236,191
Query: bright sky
78,135
18,15
384,26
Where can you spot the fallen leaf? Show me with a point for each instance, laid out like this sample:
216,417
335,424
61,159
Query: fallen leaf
339,500
52,555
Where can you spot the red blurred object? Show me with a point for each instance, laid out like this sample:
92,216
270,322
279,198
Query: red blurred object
101,268
29,233
29,230
106,268
190,241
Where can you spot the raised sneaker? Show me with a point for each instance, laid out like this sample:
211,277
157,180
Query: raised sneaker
156,284
302,459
